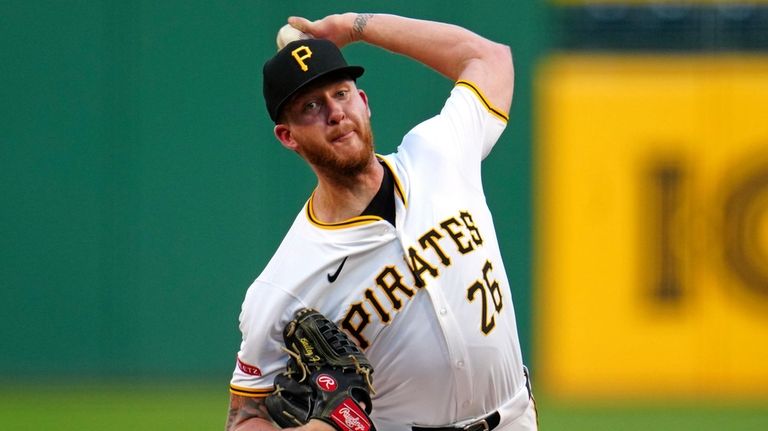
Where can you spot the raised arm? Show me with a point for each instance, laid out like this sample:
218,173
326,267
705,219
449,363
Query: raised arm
455,52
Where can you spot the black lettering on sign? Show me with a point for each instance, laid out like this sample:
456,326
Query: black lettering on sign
745,230
667,228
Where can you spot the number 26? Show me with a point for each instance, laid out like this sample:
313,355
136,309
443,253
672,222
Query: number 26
489,292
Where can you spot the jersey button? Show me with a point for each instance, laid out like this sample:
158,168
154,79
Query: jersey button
443,311
460,364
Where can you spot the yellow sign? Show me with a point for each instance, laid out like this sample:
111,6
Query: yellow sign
652,214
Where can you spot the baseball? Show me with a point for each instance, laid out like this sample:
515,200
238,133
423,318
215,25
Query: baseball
288,34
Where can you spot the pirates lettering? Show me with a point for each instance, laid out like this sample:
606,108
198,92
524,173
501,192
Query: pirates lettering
424,262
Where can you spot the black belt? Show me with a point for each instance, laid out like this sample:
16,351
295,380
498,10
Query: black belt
485,424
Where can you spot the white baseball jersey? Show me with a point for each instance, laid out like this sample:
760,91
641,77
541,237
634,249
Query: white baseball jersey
427,300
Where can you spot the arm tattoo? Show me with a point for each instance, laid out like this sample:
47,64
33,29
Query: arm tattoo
361,21
244,408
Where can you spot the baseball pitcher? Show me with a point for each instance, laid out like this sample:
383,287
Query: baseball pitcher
386,306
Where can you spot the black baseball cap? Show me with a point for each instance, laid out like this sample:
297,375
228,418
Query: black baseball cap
298,64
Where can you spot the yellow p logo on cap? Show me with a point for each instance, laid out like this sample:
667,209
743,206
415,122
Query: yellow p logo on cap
300,54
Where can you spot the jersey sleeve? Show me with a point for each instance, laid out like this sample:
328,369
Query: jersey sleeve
260,357
457,139
475,124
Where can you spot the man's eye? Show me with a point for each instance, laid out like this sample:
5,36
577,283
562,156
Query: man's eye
309,106
342,93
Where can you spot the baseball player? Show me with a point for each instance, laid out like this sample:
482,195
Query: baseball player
399,250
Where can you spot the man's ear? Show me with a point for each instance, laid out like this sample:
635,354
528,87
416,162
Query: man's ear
365,100
283,134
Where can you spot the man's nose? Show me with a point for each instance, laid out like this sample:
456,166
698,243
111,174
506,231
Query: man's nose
335,111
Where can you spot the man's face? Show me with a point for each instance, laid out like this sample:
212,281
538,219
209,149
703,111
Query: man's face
329,125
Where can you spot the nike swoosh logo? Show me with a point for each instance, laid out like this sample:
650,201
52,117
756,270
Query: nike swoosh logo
335,275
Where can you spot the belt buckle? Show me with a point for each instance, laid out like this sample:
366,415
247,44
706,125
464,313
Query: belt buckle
481,425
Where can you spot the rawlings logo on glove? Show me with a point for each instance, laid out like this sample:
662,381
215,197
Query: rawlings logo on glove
351,416
327,377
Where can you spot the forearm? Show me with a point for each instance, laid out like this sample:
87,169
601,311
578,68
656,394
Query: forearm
444,47
248,414
453,51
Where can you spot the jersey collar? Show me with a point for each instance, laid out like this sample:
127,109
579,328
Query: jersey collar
359,220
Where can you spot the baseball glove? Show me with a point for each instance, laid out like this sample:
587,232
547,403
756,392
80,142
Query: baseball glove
327,377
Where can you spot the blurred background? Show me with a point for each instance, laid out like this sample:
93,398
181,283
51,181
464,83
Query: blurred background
142,192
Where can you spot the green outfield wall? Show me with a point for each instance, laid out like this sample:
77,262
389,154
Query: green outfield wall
142,189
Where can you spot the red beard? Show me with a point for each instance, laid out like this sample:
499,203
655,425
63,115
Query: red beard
330,162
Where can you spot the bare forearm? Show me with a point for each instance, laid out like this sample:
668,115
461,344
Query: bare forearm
248,414
446,48
453,51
